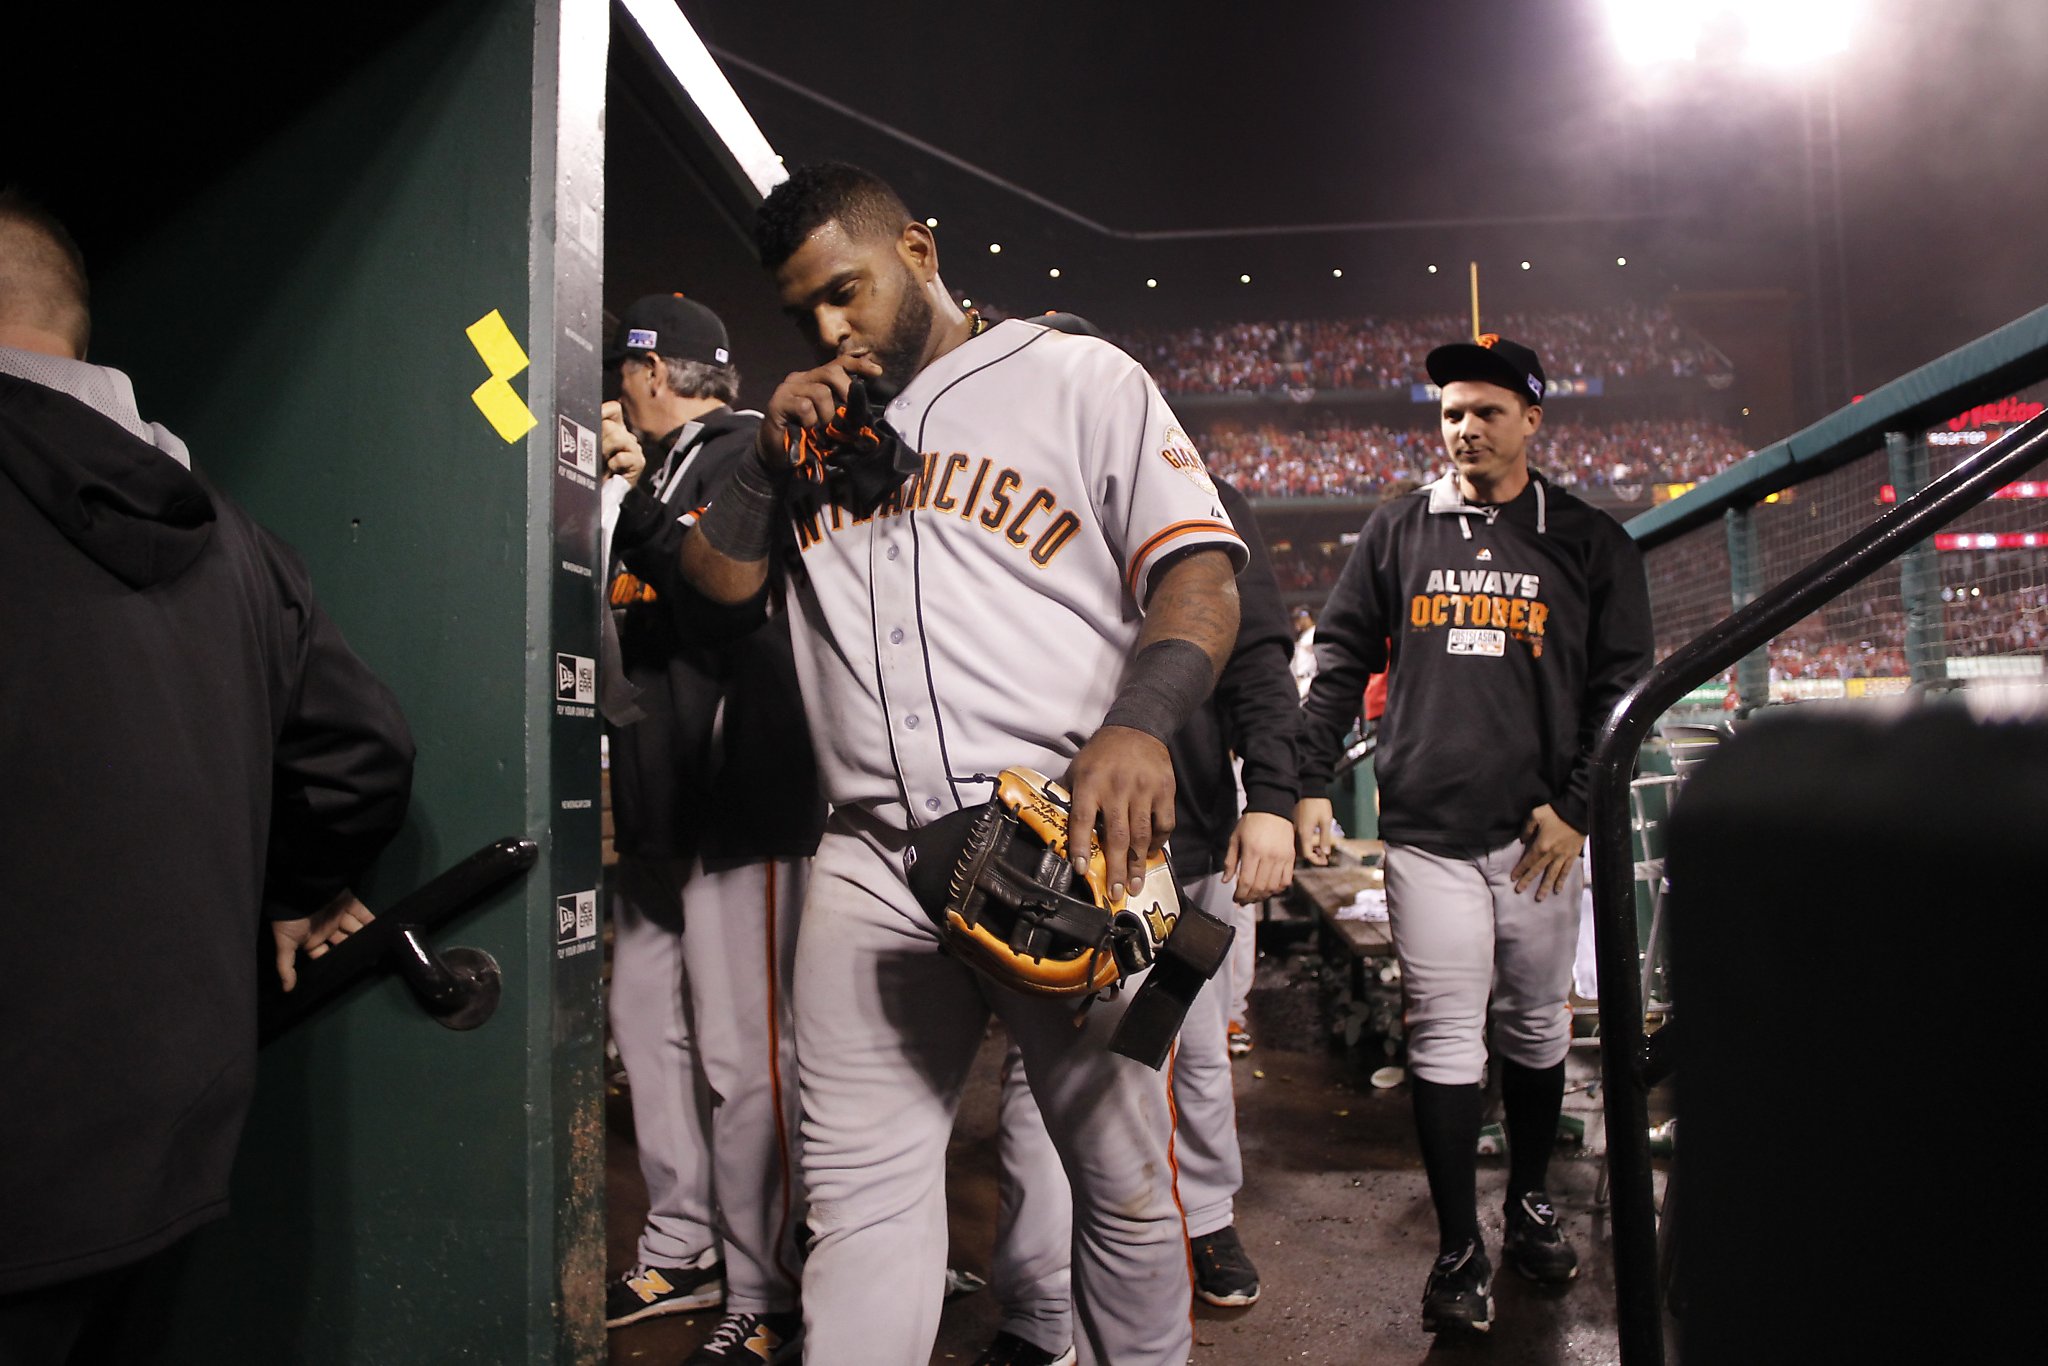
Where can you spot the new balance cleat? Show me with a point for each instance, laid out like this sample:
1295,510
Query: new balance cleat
648,1291
752,1340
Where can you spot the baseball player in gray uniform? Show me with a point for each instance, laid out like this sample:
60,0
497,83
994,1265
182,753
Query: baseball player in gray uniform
1051,586
1510,617
716,801
1224,860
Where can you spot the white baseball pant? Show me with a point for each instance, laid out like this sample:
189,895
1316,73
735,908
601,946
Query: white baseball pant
736,956
887,1028
1034,1224
1464,934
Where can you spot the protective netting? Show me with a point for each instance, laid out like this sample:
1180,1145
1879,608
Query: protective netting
1990,566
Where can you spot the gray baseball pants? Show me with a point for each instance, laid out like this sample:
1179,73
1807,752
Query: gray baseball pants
1464,934
723,1058
887,1028
1034,1216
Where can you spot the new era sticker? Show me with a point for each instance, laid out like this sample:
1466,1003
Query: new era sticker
720,354
576,446
576,917
641,338
575,679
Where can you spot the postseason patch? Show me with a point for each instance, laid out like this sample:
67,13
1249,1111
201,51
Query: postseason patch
641,338
1467,640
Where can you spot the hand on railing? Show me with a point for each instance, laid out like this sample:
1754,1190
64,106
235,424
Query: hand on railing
316,934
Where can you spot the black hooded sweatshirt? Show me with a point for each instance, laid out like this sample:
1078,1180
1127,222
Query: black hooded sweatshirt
186,746
1508,631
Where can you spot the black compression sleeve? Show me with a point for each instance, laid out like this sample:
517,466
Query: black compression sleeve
740,523
1167,681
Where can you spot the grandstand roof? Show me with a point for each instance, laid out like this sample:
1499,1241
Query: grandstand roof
1151,117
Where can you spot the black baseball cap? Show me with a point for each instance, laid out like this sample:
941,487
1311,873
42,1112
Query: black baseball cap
670,325
1492,360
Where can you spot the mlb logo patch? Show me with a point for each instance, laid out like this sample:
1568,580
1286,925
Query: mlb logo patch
721,355
575,679
641,338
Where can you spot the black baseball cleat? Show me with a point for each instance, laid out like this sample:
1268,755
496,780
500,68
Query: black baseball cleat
1010,1350
1224,1275
1535,1244
752,1339
1459,1295
646,1291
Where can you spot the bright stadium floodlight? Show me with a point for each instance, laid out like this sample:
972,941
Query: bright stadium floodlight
1792,33
1781,34
1649,31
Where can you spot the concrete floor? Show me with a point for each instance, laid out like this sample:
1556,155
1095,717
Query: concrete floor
1334,1210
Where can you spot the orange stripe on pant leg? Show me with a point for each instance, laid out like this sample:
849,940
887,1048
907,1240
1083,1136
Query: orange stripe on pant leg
1173,1166
774,966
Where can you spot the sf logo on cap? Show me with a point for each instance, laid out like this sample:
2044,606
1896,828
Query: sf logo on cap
1487,339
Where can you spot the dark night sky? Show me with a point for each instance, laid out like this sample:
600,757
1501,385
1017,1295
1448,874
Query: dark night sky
1151,116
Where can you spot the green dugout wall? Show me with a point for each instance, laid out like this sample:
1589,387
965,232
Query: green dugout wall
294,277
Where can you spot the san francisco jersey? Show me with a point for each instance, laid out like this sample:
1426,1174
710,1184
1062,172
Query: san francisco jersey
982,618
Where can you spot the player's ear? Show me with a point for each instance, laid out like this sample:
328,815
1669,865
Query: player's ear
1534,417
919,250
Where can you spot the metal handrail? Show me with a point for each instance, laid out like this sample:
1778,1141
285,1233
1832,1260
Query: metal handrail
1626,1058
458,987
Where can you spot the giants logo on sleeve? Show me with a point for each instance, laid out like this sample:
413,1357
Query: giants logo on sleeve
1480,610
1180,453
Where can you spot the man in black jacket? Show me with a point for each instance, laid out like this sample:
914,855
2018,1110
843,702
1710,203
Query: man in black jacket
1510,617
716,806
189,748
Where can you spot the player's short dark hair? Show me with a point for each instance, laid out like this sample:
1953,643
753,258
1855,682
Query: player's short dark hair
825,192
42,271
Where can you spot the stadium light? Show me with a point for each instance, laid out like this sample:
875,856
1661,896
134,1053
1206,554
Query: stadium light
931,222
1432,270
1337,274
1053,274
1782,34
1649,31
1525,265
1151,284
995,248
1621,260
1244,279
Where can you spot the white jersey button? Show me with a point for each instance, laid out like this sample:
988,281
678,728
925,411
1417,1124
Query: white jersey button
894,551
931,803
911,720
895,635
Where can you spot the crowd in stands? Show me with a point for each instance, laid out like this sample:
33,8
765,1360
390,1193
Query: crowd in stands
1373,353
1268,461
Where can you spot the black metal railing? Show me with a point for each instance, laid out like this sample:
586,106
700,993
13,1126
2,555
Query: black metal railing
1629,1064
458,987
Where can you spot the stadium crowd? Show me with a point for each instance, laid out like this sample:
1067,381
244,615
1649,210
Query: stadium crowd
1631,341
1340,461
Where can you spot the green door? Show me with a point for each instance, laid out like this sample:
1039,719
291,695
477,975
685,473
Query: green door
307,318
